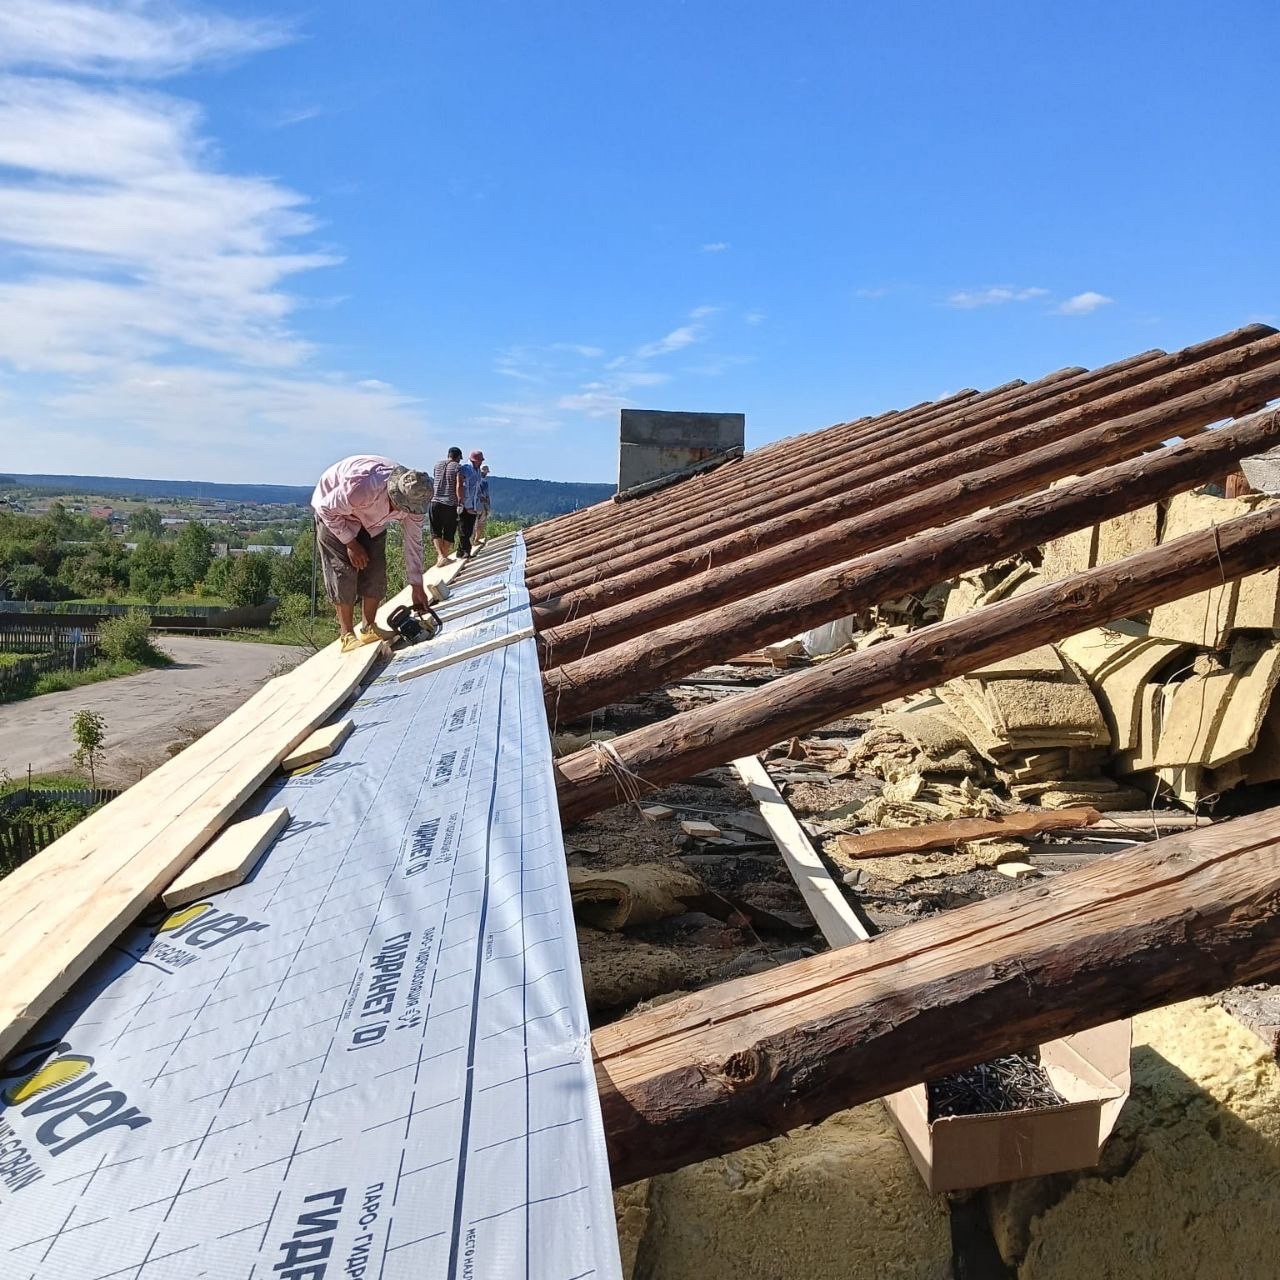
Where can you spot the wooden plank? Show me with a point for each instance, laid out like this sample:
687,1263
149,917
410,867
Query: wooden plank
228,859
319,745
80,893
946,835
747,1060
831,911
449,660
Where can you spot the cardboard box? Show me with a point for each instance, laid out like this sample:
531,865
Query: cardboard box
956,1153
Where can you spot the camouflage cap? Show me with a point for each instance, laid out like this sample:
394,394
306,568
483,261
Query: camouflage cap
410,490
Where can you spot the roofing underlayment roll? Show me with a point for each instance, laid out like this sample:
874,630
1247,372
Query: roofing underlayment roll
370,1060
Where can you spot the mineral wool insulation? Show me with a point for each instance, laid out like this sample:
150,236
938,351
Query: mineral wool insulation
370,1061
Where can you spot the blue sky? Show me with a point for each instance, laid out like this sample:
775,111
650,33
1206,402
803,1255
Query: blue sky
238,241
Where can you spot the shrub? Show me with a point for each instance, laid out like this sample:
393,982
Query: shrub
129,637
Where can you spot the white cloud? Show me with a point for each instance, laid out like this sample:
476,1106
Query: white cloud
133,242
676,340
578,349
296,115
994,295
639,378
716,246
1083,303
239,425
755,317
126,38
526,418
144,314
593,401
608,386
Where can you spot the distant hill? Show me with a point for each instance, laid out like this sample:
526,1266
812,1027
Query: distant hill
512,498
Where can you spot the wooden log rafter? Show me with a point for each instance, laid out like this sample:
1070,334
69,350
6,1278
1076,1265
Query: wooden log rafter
747,723
733,618
870,480
748,1060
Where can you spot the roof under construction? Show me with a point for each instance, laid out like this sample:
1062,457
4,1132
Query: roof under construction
365,1046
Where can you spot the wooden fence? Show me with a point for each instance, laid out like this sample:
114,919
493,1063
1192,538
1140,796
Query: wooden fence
51,650
41,639
19,797
23,839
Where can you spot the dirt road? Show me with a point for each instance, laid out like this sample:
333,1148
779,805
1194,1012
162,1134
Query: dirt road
145,713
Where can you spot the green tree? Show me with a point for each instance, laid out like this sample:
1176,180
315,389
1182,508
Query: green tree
62,525
26,582
192,555
146,523
219,574
151,570
89,730
250,580
291,574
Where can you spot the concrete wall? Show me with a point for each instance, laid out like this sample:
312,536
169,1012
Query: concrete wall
653,442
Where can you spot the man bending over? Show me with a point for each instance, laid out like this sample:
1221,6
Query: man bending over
354,503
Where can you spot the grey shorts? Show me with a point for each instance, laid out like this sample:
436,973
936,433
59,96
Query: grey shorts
343,582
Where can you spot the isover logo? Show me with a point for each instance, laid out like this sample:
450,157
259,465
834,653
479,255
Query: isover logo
179,937
69,1100
202,925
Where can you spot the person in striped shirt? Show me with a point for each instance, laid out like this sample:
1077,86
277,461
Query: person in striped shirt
445,501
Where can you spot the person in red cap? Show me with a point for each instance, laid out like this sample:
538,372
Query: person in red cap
470,478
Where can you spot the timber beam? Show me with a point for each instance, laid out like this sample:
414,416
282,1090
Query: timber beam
686,744
744,622
751,1059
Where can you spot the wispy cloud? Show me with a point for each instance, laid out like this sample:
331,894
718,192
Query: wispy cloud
291,116
145,285
1083,303
676,340
134,38
715,246
578,349
994,296
878,291
755,317
524,417
604,385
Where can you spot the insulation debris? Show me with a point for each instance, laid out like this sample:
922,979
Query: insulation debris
631,896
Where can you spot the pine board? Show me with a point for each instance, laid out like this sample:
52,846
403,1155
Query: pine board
831,912
74,899
319,745
228,859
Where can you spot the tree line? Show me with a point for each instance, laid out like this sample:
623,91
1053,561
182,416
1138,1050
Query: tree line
64,556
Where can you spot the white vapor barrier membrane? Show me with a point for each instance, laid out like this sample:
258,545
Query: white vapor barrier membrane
369,1062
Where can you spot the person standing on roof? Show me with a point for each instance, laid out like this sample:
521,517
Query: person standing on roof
354,502
483,518
445,501
469,474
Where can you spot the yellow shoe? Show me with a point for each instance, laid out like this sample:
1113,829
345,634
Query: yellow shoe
368,634
351,642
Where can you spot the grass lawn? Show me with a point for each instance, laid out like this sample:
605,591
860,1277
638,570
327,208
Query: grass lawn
137,602
325,632
12,659
107,669
38,780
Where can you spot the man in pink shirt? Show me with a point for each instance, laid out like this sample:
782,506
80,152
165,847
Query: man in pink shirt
354,503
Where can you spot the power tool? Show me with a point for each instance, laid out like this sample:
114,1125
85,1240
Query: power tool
413,627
